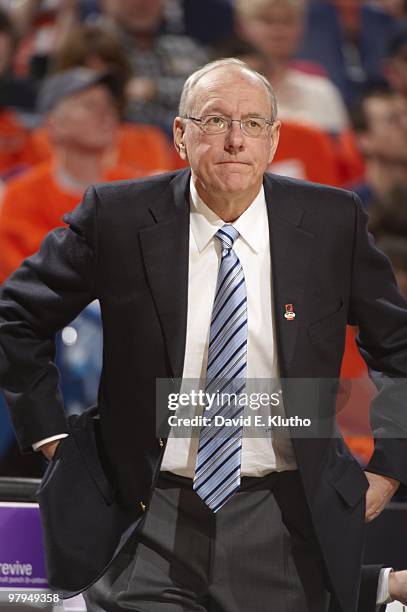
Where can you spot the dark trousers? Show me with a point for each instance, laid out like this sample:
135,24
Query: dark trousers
243,558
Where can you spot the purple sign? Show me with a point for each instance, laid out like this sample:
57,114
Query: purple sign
21,549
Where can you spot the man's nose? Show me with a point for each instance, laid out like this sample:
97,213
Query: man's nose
234,139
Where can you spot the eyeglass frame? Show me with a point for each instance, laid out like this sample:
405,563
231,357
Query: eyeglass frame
230,121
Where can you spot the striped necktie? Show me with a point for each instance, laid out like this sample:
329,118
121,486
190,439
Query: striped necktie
217,472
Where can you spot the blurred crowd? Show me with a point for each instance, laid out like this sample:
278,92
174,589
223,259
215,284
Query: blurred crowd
89,90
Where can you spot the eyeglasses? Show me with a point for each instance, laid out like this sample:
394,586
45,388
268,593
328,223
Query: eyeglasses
216,124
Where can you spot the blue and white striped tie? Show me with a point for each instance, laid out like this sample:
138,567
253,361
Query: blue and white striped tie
217,472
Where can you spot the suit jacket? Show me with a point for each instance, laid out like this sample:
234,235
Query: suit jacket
127,245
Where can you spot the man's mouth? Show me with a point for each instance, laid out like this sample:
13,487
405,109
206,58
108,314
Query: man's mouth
237,162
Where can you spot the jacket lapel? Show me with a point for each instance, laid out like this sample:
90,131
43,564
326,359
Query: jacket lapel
290,246
165,249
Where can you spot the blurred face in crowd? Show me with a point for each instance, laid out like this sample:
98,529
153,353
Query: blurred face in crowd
276,30
228,163
386,136
396,71
136,16
86,121
395,8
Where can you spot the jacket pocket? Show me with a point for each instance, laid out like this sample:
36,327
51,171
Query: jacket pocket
53,462
78,452
65,453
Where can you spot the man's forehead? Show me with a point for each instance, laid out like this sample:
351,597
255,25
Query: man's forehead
228,85
228,76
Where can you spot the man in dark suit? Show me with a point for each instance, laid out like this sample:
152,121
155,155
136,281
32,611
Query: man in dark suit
221,273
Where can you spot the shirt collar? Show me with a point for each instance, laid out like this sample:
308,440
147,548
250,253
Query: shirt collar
205,222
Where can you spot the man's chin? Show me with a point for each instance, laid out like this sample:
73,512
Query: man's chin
234,184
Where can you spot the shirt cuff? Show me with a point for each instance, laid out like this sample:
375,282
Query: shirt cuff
383,595
37,445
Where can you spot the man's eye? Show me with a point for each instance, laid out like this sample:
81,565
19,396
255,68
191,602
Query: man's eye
253,123
215,120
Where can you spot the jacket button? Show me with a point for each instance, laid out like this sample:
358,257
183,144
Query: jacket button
142,506
161,442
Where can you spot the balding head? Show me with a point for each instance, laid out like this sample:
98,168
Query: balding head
229,68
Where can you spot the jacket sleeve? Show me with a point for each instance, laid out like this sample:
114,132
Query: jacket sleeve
380,311
45,293
368,589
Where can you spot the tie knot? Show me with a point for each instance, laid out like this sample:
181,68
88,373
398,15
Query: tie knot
227,235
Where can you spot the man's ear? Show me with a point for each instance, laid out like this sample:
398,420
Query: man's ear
179,137
275,136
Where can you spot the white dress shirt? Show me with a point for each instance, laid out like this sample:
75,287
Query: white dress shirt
260,454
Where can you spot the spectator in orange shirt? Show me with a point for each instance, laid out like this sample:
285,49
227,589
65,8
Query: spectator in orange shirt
143,146
82,122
